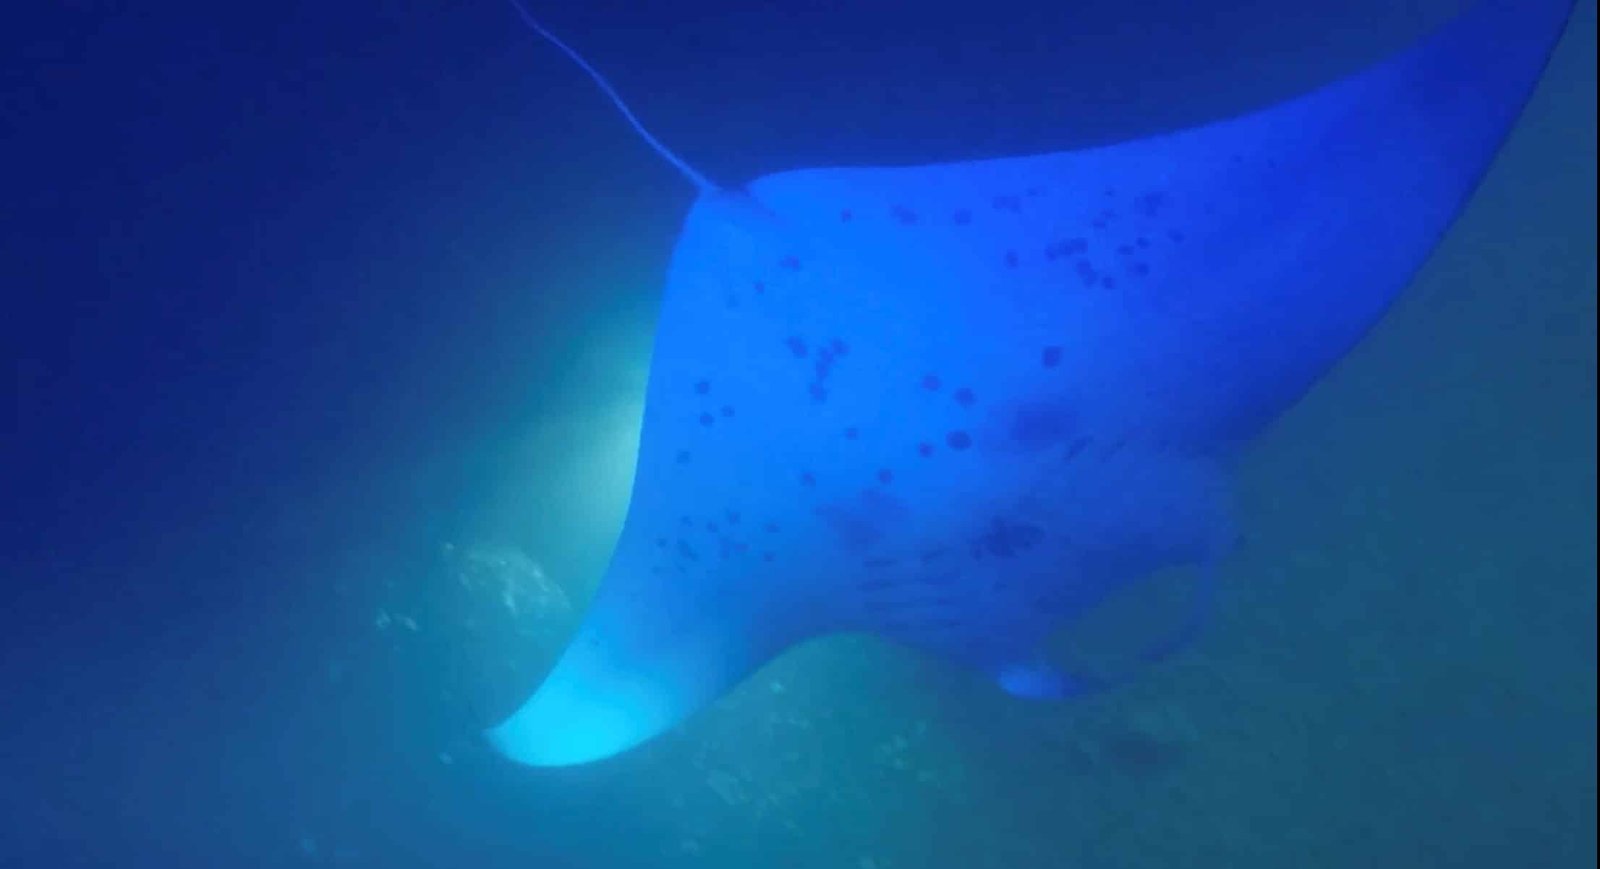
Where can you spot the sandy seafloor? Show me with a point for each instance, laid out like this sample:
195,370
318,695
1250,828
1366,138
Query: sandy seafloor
324,402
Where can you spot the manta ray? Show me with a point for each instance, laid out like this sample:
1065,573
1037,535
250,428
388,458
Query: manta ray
959,405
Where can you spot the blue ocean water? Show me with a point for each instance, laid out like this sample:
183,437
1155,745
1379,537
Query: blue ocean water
330,327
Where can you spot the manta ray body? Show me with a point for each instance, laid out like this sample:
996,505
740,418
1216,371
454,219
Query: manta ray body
959,405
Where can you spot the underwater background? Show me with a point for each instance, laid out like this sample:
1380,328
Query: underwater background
329,326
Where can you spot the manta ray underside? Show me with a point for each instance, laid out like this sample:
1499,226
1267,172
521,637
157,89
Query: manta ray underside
958,405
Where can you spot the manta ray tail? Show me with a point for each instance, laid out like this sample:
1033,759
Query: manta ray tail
701,183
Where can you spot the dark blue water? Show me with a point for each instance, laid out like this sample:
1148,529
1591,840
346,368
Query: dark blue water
329,324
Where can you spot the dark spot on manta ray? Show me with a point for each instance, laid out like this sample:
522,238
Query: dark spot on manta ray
790,263
712,527
701,387
958,440
1140,269
1050,356
727,410
687,551
770,527
683,457
903,215
1011,259
707,419
845,215
732,516
767,556
1076,447
1007,202
961,217
760,287
1086,273
964,397
1006,539
839,347
1035,426
851,433
661,543
861,522
930,382
1108,282
1150,204
819,393
797,346
1065,248
925,449
885,476
854,529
